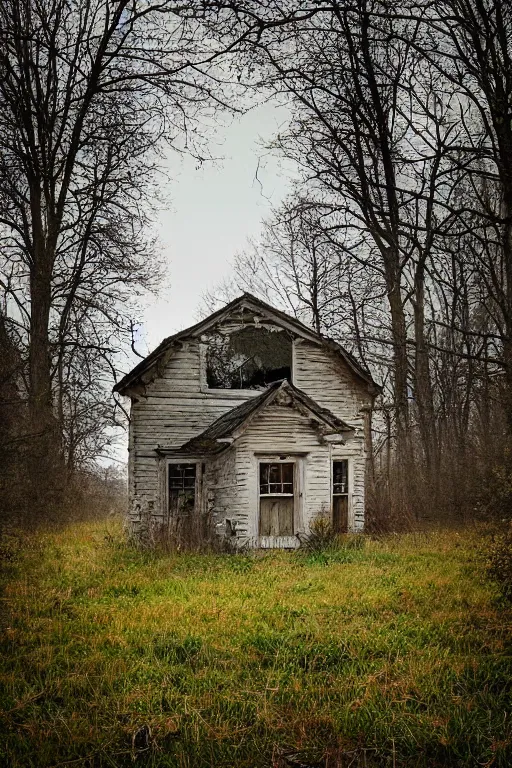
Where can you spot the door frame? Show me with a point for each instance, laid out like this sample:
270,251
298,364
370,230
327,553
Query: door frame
297,459
350,479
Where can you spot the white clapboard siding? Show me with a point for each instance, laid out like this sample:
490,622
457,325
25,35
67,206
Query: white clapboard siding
171,410
221,489
175,406
325,377
282,431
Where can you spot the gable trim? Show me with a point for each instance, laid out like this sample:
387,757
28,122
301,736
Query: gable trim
246,301
233,424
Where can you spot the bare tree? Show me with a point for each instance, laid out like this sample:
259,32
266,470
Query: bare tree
387,137
371,135
89,93
470,44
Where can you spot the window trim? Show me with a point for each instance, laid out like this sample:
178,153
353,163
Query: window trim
231,393
197,485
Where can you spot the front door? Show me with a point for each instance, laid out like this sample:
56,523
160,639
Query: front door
277,498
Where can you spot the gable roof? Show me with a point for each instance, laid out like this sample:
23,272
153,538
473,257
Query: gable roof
282,318
224,427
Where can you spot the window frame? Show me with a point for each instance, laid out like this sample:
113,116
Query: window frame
261,463
230,393
347,463
350,492
197,484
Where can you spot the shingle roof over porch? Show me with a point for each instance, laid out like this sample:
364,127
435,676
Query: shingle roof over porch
216,437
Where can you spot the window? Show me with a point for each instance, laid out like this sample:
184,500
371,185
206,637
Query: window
340,496
276,479
340,477
249,358
182,488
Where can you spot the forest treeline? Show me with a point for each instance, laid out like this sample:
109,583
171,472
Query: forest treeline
396,239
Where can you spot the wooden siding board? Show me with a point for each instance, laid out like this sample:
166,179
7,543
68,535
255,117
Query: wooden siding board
330,382
173,409
283,430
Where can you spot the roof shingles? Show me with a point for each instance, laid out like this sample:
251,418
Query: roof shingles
228,423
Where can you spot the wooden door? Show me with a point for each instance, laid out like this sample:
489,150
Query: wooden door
340,514
276,516
277,498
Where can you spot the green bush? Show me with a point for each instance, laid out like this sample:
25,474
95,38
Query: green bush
499,562
323,538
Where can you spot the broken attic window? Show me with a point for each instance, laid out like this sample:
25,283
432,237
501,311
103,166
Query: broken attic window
249,358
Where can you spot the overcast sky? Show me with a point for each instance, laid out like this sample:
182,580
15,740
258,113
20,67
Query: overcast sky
213,211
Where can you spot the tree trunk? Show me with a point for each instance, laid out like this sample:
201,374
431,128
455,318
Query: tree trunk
400,365
507,342
45,456
422,381
314,292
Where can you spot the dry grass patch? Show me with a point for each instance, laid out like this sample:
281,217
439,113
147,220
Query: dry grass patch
391,652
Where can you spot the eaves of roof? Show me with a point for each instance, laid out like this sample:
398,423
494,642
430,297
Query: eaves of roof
152,359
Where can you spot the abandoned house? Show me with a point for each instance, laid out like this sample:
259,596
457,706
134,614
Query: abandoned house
252,421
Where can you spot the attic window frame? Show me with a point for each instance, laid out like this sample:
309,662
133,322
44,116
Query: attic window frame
231,393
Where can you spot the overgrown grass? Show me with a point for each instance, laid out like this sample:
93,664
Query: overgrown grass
394,653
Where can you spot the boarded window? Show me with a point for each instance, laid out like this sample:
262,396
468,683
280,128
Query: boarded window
340,496
276,498
182,489
249,358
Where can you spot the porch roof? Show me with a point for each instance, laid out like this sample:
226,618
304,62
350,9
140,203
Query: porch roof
211,440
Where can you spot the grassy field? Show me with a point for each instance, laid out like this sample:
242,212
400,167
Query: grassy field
393,653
